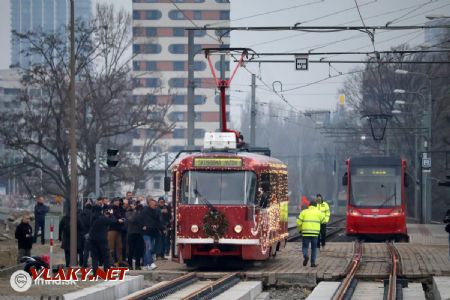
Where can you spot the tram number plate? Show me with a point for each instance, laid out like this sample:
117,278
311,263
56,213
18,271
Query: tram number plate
217,162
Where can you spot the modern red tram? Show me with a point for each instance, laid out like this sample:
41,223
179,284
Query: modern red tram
376,197
229,205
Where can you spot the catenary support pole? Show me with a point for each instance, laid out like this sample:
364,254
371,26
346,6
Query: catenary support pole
430,137
253,113
191,90
73,144
417,213
222,77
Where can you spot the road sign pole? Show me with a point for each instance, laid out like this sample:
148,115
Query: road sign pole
426,182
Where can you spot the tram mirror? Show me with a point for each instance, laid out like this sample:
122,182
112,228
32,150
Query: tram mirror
166,184
345,179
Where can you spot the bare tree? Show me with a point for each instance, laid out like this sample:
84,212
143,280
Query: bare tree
105,106
371,90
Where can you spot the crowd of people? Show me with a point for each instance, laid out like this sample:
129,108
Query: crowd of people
128,231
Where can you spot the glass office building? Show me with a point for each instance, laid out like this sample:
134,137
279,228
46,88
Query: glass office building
37,15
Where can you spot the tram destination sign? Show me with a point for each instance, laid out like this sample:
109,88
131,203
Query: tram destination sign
369,171
217,162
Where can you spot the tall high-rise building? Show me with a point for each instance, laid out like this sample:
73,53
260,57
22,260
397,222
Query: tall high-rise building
160,63
37,15
437,37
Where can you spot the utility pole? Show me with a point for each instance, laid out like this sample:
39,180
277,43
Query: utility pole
426,172
97,170
190,93
417,213
73,144
222,77
428,195
253,113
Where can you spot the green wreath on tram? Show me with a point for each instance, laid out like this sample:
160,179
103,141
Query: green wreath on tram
215,224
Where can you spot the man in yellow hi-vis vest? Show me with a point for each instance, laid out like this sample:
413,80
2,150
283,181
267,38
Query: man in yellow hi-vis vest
325,209
308,224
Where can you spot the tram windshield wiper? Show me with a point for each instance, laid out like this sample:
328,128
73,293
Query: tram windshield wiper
203,199
394,195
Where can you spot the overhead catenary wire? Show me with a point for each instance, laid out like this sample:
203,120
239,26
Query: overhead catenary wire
346,23
269,12
407,13
369,33
308,21
280,96
320,29
192,22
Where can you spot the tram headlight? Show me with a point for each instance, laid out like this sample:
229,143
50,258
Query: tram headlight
238,228
354,213
194,228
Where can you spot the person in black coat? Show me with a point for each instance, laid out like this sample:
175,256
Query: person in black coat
101,221
152,224
64,237
24,236
86,219
163,246
115,232
135,239
40,210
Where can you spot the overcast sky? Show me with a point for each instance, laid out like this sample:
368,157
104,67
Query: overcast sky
309,13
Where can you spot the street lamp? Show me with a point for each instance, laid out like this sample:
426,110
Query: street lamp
396,111
400,102
426,173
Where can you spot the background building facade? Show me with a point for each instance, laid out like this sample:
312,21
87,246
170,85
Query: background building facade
160,62
36,15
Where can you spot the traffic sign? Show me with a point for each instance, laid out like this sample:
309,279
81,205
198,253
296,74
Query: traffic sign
301,62
426,163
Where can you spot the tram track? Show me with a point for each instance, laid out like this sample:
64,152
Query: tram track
188,287
393,286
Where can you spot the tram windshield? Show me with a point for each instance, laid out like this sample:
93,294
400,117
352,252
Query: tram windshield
375,187
232,188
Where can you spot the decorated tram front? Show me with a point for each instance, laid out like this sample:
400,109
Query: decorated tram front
229,204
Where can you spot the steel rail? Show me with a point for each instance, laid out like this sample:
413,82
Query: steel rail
214,288
163,290
341,292
395,270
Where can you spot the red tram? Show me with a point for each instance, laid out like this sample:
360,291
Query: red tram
229,204
376,197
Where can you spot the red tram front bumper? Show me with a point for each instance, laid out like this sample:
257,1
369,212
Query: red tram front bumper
387,222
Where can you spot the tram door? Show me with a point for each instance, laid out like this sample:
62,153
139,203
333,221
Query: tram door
168,181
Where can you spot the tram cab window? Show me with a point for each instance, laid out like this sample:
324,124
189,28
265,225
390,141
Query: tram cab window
375,187
228,188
